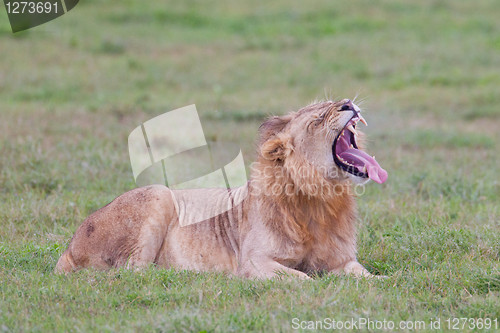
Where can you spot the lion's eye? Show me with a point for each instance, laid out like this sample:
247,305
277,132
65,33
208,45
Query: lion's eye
345,107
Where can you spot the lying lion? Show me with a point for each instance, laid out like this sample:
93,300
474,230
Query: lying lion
298,217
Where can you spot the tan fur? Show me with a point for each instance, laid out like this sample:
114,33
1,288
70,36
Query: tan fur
299,216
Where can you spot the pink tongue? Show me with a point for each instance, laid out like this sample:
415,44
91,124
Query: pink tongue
360,158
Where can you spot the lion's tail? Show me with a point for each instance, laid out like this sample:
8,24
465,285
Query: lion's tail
65,264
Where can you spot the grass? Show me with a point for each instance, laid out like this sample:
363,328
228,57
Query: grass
73,89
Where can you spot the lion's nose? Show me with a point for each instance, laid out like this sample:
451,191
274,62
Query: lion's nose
347,106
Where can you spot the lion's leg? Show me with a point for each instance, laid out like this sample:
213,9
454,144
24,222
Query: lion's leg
149,243
71,261
65,264
356,269
268,269
128,232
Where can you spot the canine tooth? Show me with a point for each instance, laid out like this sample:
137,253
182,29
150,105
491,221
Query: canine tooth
364,169
351,146
362,120
351,128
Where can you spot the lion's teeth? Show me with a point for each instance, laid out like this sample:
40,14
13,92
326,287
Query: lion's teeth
362,120
364,169
351,128
352,147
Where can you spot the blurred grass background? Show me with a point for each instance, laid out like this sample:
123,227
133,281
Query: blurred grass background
428,73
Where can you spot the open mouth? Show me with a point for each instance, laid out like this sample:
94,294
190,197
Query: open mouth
353,160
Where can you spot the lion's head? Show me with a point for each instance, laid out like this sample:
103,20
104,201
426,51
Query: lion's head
318,144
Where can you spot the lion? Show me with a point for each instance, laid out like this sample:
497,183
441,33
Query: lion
298,216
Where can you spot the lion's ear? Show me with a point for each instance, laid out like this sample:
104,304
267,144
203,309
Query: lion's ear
272,127
276,148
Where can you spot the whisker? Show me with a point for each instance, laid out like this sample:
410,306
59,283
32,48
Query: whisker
361,101
326,94
355,97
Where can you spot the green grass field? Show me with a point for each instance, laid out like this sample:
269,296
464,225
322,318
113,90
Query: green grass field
428,71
